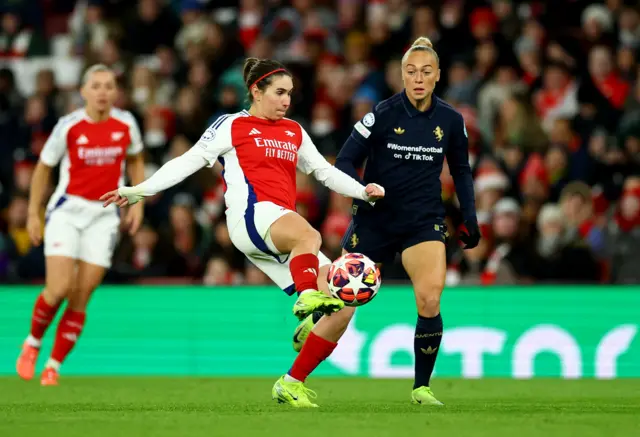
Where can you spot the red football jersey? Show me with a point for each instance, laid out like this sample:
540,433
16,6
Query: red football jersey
91,154
260,158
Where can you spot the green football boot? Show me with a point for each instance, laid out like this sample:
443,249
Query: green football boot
293,393
424,396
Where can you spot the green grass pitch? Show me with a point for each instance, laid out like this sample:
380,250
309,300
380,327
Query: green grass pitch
172,407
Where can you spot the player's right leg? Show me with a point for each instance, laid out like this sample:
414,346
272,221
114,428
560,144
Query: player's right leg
288,389
292,234
270,232
59,282
61,242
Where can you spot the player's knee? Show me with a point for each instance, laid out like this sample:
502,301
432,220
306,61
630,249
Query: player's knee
80,295
428,301
343,317
58,289
335,325
311,238
79,299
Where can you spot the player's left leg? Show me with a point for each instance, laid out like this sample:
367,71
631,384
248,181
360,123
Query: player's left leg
286,389
88,278
290,388
319,342
425,263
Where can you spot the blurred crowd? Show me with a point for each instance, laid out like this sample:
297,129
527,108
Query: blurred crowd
549,92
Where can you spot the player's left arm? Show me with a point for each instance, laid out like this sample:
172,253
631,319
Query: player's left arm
135,168
458,160
135,171
310,161
357,148
135,156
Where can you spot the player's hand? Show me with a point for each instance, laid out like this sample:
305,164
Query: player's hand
373,192
113,197
134,218
471,238
34,228
122,197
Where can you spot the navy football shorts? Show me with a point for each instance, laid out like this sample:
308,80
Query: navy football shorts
381,246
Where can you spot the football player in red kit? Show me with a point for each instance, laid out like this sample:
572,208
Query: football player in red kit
260,151
92,146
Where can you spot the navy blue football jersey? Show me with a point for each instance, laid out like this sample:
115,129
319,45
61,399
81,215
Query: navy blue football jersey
405,149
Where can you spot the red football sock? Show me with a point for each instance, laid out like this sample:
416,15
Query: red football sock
315,350
304,270
69,330
43,314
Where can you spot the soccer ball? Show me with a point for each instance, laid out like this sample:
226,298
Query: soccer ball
354,279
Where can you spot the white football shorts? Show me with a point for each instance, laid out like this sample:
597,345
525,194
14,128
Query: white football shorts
251,236
81,229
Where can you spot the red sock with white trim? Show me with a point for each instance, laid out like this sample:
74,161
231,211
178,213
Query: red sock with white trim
315,350
69,329
43,315
304,270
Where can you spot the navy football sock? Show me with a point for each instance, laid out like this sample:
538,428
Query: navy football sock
425,347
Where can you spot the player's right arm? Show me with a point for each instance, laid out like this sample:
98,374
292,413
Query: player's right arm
215,142
356,149
50,156
39,182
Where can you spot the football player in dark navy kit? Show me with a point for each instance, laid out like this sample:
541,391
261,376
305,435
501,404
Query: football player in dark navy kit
405,141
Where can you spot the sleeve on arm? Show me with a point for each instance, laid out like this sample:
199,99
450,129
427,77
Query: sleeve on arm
310,161
214,142
356,149
172,173
136,146
56,145
458,160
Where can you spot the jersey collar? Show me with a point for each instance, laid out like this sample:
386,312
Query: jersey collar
413,111
86,117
